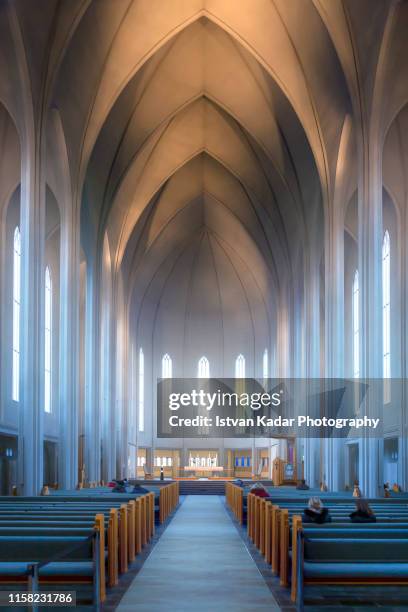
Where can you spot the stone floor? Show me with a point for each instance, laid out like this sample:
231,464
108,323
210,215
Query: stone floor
199,564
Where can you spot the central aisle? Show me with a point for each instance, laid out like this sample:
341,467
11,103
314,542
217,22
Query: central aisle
199,563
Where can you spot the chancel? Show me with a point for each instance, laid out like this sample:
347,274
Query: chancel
214,192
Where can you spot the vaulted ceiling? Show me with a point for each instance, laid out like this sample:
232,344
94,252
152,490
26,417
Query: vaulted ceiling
203,94
204,125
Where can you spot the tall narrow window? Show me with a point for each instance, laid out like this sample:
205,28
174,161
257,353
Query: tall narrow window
240,367
141,390
48,341
240,385
16,315
167,366
356,326
386,299
203,368
265,365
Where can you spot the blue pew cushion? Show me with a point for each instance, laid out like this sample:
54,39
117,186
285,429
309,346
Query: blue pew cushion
320,570
368,550
56,568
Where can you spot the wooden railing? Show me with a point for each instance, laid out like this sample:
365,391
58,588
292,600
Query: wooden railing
234,497
169,499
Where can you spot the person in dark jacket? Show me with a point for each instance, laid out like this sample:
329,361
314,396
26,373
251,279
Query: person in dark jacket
362,513
120,486
315,512
139,489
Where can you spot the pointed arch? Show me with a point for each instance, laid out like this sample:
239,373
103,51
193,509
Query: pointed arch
386,312
141,390
167,366
203,370
16,314
240,366
356,325
265,364
48,341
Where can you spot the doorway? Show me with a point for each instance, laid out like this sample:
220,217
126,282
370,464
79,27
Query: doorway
8,464
50,475
391,460
353,456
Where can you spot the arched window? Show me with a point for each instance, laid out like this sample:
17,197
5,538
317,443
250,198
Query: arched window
356,326
240,382
16,315
203,368
240,367
265,365
167,366
141,390
386,303
48,341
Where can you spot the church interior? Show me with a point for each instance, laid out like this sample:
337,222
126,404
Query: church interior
201,189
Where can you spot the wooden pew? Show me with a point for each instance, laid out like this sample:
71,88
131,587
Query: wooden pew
312,563
277,525
289,525
123,531
127,526
53,560
52,522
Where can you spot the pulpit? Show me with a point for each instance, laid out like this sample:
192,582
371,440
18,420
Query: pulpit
283,473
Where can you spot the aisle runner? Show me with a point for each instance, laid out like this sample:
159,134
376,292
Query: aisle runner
199,564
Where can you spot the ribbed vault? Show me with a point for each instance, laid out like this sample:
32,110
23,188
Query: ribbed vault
203,175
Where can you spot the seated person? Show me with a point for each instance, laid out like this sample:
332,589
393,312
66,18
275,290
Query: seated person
139,489
302,486
362,513
120,486
387,489
259,490
356,490
238,482
315,512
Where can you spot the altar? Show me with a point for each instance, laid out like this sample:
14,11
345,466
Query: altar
203,463
203,470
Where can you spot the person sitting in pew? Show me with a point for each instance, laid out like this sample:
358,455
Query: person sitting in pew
259,490
315,512
139,489
121,486
362,513
387,489
302,486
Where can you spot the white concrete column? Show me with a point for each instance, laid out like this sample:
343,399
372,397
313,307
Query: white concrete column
31,422
107,361
92,374
370,269
119,417
403,449
284,339
312,313
69,349
334,329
